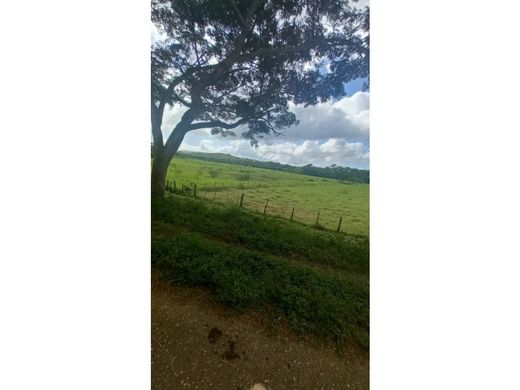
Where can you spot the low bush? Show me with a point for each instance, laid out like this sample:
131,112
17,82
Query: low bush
311,301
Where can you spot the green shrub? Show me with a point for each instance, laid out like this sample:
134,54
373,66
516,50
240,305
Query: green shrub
311,301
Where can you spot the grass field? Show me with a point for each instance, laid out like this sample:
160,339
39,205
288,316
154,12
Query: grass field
316,280
308,195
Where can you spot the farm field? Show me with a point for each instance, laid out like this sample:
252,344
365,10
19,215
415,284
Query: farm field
283,291
225,183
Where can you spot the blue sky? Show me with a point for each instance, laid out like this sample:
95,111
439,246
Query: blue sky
354,86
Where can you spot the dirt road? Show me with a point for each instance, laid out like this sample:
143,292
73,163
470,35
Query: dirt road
199,344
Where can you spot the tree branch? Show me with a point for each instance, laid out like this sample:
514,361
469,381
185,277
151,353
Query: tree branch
218,99
168,91
177,135
216,123
251,11
227,62
275,132
239,14
157,114
277,51
181,100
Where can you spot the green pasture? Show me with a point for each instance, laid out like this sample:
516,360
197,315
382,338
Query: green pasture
225,183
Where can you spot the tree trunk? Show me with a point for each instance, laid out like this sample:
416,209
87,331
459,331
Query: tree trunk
161,160
159,169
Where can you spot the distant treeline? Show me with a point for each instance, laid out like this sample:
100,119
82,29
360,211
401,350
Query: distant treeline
332,172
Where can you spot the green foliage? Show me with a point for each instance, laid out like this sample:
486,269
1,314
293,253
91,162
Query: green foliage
272,235
240,63
327,306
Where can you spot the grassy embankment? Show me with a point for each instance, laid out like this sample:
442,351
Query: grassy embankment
316,280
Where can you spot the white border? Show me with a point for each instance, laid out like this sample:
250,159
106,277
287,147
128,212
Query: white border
444,196
74,160
75,208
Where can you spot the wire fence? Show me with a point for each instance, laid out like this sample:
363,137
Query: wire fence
233,197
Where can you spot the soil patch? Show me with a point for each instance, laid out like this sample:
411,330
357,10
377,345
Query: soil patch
214,334
198,343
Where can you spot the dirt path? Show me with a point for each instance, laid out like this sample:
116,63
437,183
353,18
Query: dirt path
199,344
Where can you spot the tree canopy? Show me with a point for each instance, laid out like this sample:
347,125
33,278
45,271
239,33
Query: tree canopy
238,63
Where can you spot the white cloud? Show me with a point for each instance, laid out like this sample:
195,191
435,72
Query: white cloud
328,133
333,151
172,116
157,36
347,118
361,4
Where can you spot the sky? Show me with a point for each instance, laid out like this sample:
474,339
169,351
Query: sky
335,132
328,133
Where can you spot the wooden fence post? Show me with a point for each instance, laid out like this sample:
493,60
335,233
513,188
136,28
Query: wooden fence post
318,218
265,208
339,224
292,215
194,190
242,199
174,186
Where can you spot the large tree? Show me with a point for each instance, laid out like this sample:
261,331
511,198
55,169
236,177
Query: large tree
238,63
